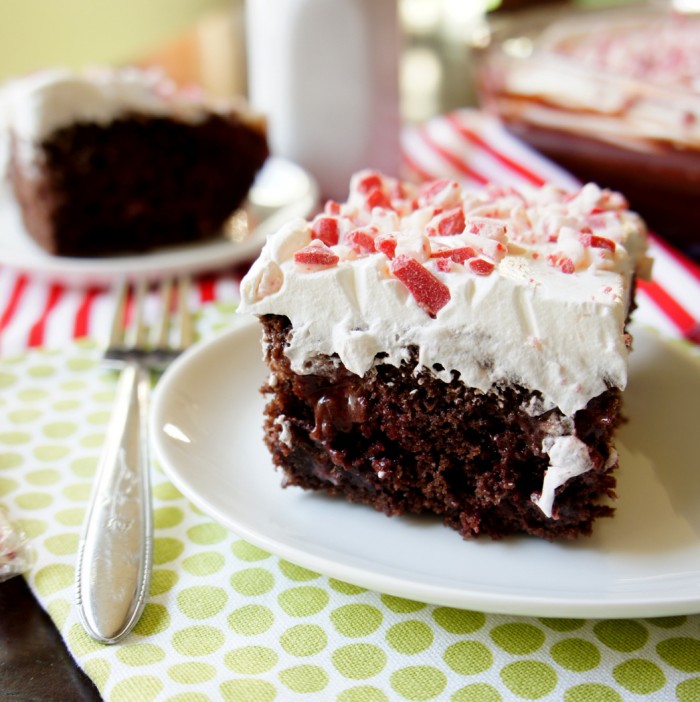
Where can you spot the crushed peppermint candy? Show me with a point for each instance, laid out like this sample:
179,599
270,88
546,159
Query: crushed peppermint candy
316,257
460,254
325,229
430,292
440,228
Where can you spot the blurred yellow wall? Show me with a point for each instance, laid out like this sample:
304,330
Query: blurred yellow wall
39,33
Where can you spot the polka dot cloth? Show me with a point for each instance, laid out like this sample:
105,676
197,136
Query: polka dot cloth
228,621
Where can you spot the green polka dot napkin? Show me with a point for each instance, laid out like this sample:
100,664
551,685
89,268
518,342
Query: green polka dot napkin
228,621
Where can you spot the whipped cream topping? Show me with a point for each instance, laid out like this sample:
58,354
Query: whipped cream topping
568,457
529,286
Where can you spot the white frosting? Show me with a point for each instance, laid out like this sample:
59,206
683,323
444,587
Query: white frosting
549,315
568,457
285,434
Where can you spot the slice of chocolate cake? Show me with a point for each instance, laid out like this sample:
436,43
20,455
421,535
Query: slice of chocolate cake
117,161
462,353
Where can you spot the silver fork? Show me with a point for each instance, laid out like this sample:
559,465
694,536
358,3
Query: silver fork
116,548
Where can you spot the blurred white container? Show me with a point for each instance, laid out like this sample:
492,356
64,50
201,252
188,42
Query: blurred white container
325,72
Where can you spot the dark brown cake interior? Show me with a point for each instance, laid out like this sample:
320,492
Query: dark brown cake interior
407,443
139,183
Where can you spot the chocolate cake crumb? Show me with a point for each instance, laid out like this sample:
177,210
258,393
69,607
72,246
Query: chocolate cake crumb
405,442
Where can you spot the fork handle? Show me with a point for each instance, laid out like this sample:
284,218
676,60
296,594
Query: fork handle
116,548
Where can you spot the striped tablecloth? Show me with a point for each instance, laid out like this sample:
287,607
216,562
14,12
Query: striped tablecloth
41,313
465,144
226,620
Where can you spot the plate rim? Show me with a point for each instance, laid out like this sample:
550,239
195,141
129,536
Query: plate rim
640,605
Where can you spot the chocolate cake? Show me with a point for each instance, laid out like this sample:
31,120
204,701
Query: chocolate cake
119,161
459,353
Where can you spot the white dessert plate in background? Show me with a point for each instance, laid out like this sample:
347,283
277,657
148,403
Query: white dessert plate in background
282,190
207,427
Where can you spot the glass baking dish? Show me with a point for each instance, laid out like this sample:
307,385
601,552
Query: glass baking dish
612,95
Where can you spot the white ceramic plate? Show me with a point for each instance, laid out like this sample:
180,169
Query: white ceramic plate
645,561
282,190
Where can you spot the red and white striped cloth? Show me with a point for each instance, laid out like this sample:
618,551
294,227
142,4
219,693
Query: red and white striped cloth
466,145
45,314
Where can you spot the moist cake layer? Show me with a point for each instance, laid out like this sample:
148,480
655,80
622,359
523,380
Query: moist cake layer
403,441
176,185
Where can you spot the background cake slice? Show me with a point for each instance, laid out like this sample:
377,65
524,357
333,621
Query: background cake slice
116,161
462,353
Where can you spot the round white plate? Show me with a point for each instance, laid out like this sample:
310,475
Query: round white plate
206,422
282,190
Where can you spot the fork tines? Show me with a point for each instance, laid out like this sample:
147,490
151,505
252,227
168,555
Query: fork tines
133,339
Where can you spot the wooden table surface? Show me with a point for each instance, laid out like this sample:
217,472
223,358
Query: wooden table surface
35,665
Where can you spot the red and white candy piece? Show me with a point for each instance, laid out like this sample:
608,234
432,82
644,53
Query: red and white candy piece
316,256
331,207
366,181
361,240
490,247
596,242
488,228
429,292
447,223
326,229
386,244
442,193
374,189
481,266
444,265
563,263
459,254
